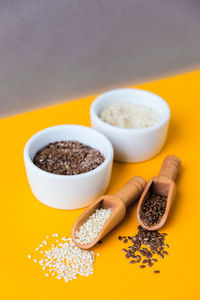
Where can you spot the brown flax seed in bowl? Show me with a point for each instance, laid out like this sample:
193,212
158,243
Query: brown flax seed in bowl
68,158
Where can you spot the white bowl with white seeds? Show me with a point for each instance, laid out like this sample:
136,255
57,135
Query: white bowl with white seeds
135,121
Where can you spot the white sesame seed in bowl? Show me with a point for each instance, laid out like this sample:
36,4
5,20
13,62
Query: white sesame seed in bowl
129,115
132,144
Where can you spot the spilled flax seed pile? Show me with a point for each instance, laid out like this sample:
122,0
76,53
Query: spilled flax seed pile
68,158
145,247
61,258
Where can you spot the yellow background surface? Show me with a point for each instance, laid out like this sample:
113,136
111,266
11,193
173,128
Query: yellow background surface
25,221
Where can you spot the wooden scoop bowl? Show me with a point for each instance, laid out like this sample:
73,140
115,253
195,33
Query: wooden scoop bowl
162,185
118,203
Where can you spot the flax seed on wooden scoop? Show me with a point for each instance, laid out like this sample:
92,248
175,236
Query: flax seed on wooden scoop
151,215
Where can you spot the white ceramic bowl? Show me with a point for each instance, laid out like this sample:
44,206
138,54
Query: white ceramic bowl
132,145
68,191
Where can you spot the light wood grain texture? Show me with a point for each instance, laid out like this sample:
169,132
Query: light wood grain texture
162,185
170,167
118,203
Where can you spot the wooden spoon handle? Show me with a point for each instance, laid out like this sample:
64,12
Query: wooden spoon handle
132,190
170,167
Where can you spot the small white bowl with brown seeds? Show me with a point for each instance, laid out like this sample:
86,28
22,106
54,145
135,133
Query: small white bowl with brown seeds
68,166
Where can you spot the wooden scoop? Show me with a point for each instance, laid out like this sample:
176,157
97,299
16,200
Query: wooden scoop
162,185
117,203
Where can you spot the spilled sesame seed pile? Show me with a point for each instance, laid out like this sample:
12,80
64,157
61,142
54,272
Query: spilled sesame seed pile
63,259
145,245
89,230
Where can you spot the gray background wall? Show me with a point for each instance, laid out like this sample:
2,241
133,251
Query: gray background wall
52,51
